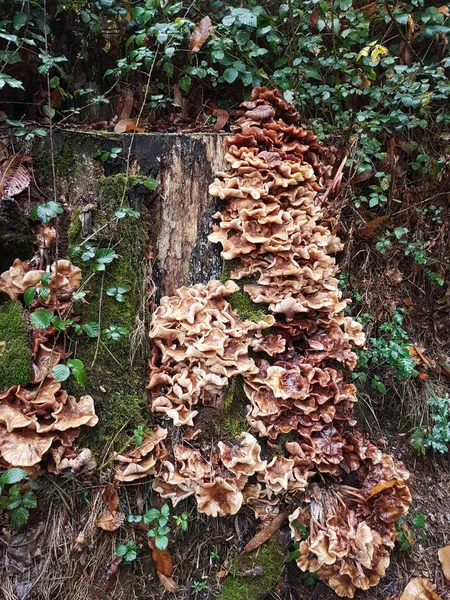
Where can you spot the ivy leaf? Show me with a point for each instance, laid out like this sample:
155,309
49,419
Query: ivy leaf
13,475
41,318
91,329
230,75
29,295
60,372
20,516
46,212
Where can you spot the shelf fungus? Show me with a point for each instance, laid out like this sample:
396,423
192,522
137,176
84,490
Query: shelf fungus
272,227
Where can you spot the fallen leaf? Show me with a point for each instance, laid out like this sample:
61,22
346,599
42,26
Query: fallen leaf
419,588
112,570
394,276
444,10
222,117
14,177
168,583
444,557
162,558
418,356
110,521
200,34
265,534
125,125
110,496
368,231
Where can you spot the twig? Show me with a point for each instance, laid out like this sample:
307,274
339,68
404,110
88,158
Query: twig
399,29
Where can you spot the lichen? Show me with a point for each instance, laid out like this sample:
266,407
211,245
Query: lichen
123,404
268,560
15,355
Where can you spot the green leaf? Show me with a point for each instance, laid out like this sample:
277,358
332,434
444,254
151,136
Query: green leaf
20,18
45,279
41,318
29,295
165,510
121,550
47,211
13,475
29,500
185,83
20,516
60,372
230,75
105,255
151,515
44,293
91,329
161,542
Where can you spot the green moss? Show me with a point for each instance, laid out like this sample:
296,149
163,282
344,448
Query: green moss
15,356
234,419
74,231
271,558
66,162
240,300
123,406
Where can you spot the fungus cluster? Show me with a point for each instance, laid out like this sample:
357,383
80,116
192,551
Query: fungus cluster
40,422
273,230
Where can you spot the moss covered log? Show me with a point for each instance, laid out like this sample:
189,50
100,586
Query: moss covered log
116,369
15,354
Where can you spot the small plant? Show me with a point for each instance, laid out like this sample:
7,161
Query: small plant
97,257
73,366
128,552
114,332
438,437
46,212
138,434
181,521
15,499
199,586
157,519
406,536
125,211
214,555
103,156
118,292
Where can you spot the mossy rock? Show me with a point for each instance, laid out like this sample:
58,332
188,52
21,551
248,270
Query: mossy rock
116,383
15,354
267,563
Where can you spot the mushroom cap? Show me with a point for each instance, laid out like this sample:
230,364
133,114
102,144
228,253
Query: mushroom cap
218,498
25,448
73,414
243,457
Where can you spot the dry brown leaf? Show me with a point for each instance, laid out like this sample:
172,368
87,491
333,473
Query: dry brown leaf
418,356
110,521
200,34
444,10
14,177
168,583
125,125
222,117
265,534
162,558
419,588
110,496
444,557
385,485
368,231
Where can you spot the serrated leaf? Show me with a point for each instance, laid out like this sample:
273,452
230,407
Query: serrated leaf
29,500
47,211
28,295
44,293
60,372
13,475
41,318
20,516
121,550
45,279
91,329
